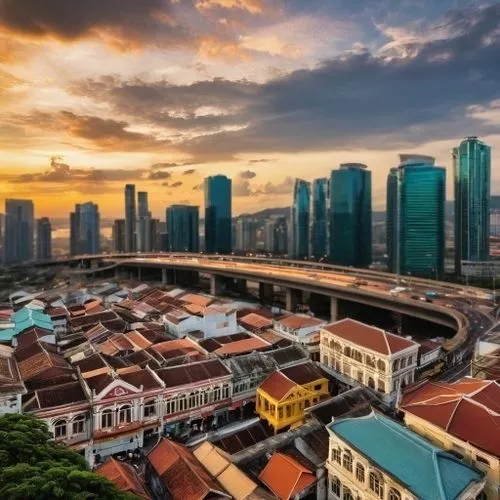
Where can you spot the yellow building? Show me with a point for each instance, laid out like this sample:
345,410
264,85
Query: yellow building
462,417
284,395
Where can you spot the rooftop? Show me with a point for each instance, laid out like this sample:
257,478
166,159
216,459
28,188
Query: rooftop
298,321
123,476
193,373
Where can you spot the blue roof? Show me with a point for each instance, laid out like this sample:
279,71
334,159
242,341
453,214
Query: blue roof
26,318
424,469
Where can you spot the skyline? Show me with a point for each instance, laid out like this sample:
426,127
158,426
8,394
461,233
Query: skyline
262,91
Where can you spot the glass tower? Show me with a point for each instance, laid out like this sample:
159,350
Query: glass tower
143,243
43,239
183,228
90,226
218,229
472,171
416,194
19,231
319,231
130,218
351,215
300,219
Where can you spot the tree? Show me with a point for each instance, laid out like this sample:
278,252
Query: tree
32,467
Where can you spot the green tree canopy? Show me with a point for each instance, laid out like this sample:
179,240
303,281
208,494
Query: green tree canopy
32,467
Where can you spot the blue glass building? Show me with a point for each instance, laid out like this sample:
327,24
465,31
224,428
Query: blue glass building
319,229
90,228
472,172
416,194
19,231
218,228
351,215
299,216
183,228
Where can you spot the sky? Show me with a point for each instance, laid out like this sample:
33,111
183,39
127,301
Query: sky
162,93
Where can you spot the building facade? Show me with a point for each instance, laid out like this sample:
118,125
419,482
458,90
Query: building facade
416,194
246,234
183,228
119,235
319,212
351,215
43,239
300,219
130,218
74,231
143,232
90,228
19,231
218,228
472,172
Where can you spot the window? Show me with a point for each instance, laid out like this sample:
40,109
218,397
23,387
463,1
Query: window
347,351
371,383
78,424
288,411
150,408
225,391
370,361
192,400
347,494
318,387
403,363
182,402
338,347
395,365
394,494
357,356
60,429
335,486
169,406
347,461
325,360
482,461
107,419
376,485
360,473
381,386
336,455
125,415
280,412
216,393
381,365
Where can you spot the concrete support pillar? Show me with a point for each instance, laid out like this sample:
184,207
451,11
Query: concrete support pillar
241,286
266,292
164,276
333,309
139,273
293,297
215,284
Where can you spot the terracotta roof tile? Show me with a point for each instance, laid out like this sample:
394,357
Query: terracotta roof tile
193,373
199,300
242,346
123,476
61,395
255,321
304,373
277,385
297,321
142,378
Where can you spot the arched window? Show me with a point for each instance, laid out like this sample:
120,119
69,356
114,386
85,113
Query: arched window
336,486
347,461
225,391
107,419
394,494
78,424
370,361
381,365
192,400
338,347
60,429
325,360
216,393
347,494
125,415
347,351
332,343
403,363
395,365
371,383
150,408
381,386
360,473
336,455
357,356
376,485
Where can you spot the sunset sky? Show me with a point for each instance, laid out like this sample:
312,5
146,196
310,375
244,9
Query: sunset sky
98,93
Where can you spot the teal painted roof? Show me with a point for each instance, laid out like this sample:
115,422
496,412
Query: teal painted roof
26,318
426,470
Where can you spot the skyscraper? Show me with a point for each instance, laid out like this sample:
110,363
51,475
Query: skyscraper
19,230
90,225
218,230
183,228
351,215
472,171
143,222
416,193
43,239
130,218
74,231
319,229
280,237
154,235
246,234
119,235
300,215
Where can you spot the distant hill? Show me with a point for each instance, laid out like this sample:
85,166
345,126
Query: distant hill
267,213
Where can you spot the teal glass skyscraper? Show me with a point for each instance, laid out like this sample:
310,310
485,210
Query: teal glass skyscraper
351,215
472,171
416,194
218,230
319,228
300,218
183,228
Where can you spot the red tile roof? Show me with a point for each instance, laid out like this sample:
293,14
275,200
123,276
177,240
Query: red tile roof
468,409
242,346
123,476
368,336
199,300
254,321
304,373
286,477
297,321
181,473
277,385
193,373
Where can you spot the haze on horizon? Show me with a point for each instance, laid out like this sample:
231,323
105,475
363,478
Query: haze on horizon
162,93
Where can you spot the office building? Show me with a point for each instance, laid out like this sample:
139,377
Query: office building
246,234
319,228
416,192
90,225
472,171
119,235
74,231
19,230
351,215
218,229
143,231
495,216
154,232
130,218
300,218
183,228
43,239
2,235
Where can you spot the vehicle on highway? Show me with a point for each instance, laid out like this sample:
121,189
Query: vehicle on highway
431,294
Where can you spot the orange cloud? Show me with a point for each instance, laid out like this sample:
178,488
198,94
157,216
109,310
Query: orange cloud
252,6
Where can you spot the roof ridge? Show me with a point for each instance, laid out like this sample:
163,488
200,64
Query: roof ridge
437,470
384,333
453,413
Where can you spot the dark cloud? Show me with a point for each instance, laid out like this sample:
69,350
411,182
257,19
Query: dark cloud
241,188
283,187
198,187
159,175
247,174
189,171
159,166
260,160
176,184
